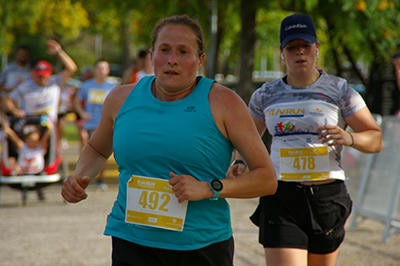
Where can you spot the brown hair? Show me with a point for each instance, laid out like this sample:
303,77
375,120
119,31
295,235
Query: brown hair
180,20
100,60
34,130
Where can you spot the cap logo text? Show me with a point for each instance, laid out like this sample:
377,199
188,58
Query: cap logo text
295,26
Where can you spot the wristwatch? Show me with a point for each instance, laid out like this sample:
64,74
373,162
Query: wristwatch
216,187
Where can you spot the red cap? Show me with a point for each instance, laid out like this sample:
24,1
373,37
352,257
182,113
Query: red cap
42,68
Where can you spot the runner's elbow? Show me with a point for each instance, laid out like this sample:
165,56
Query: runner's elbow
270,183
271,186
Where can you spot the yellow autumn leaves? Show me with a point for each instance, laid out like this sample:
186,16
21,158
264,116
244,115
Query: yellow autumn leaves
362,6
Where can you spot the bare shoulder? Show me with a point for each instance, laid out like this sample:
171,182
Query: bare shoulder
227,108
117,97
222,95
122,91
119,94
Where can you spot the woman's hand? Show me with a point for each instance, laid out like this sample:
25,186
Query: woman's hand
74,187
186,187
334,135
235,170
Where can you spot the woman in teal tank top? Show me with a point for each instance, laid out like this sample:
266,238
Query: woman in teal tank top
173,135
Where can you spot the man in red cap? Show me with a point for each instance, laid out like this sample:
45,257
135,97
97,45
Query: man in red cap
41,94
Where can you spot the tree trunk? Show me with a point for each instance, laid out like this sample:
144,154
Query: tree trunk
335,54
126,58
354,64
212,51
247,47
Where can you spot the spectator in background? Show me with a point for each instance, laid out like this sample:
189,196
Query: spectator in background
66,106
86,74
91,95
16,72
41,93
131,73
147,70
31,149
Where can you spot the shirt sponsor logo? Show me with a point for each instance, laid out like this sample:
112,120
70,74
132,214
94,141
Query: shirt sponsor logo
190,109
316,112
287,112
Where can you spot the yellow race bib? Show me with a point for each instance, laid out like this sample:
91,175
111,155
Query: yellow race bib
152,202
304,164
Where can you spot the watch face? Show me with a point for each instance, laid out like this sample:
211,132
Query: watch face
216,185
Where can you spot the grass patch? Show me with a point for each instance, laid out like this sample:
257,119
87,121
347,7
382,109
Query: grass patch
71,131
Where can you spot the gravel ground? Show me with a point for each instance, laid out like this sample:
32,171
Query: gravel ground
56,233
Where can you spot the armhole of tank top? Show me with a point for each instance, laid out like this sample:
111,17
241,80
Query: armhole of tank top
131,95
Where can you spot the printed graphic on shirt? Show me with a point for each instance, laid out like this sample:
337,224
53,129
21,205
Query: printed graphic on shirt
44,100
293,115
97,96
303,118
31,161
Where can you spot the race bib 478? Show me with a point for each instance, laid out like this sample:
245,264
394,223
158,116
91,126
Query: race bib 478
303,164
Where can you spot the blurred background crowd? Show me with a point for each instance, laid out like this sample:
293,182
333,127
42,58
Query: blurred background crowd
359,38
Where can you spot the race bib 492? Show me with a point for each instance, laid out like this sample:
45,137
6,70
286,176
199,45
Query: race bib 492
152,202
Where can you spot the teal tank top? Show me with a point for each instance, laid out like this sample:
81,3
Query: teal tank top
152,138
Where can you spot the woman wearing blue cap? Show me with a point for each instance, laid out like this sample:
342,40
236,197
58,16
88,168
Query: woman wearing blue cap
307,112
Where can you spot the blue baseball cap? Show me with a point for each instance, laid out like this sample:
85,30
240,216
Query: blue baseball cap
297,26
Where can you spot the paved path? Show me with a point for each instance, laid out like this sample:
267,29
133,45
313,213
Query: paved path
56,233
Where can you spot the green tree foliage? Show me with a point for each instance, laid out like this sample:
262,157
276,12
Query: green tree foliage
9,12
61,19
375,23
365,29
355,29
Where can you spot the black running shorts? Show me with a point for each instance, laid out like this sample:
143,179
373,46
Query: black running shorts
304,217
125,253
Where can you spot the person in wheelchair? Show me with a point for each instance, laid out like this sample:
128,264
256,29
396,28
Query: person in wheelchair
31,149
